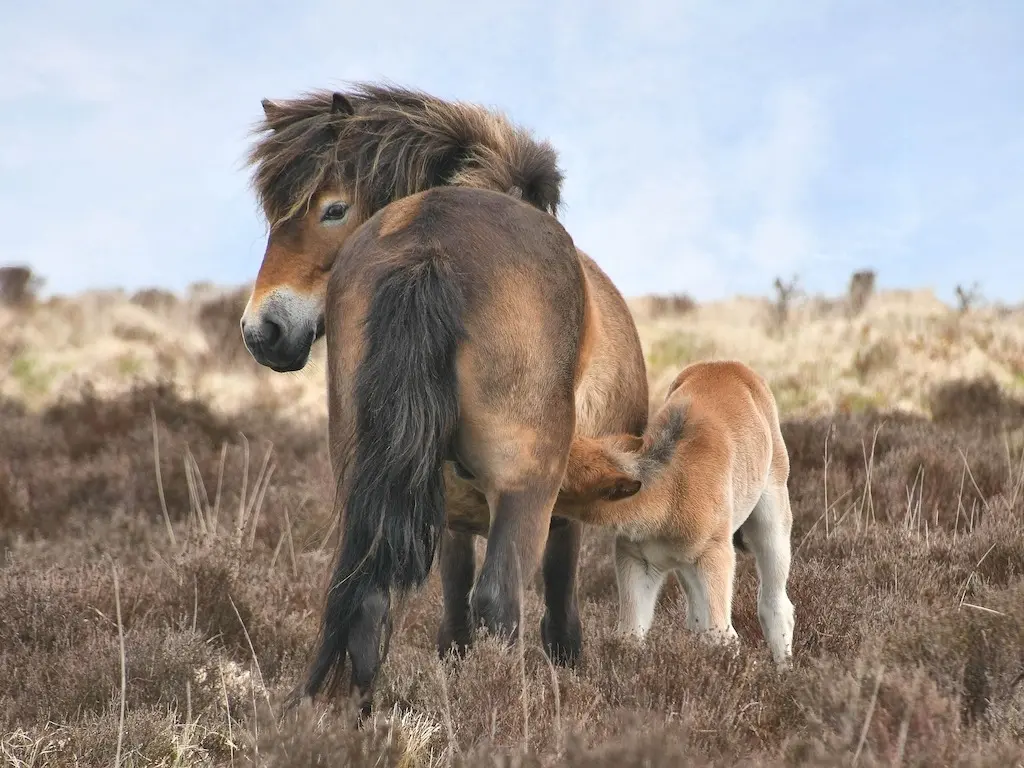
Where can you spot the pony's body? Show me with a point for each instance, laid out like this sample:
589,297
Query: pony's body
715,469
544,343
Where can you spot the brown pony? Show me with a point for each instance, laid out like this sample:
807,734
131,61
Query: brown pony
469,342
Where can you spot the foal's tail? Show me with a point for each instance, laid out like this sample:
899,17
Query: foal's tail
407,408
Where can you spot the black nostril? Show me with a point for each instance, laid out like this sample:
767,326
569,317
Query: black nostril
270,332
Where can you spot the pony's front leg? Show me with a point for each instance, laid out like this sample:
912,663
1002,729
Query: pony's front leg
515,546
560,629
370,625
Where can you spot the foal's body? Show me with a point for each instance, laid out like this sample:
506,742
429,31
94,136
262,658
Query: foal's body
715,470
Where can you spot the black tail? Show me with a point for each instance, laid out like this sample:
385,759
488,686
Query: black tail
406,395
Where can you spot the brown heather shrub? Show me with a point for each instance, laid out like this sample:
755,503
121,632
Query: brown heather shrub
908,582
91,458
961,403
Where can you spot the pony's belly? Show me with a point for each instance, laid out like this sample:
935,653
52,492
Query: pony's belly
466,509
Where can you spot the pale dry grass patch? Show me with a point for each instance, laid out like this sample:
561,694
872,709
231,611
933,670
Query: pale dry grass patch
893,352
111,340
823,358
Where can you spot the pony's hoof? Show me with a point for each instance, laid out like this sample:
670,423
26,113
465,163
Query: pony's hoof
563,644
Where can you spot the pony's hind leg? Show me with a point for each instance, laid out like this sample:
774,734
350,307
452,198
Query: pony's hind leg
560,628
515,546
368,629
458,568
766,533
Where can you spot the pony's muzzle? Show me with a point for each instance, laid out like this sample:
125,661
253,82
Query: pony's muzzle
272,344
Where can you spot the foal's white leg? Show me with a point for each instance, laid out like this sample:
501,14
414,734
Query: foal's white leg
639,583
690,590
708,584
766,533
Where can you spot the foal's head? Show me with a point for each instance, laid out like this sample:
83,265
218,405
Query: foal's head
328,161
602,468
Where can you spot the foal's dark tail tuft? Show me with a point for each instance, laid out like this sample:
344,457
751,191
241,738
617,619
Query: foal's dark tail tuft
664,434
406,396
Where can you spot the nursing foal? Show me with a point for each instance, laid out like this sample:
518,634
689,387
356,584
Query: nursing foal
710,473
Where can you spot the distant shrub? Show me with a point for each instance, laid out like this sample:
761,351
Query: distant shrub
860,290
19,287
219,320
967,298
778,316
670,305
155,299
879,355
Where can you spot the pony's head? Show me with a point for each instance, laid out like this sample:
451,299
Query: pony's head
328,161
311,213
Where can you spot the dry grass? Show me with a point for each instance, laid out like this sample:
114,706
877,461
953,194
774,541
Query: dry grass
866,348
212,512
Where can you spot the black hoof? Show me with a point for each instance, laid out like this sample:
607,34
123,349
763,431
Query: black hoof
563,641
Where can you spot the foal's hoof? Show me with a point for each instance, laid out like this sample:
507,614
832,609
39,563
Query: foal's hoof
562,642
784,665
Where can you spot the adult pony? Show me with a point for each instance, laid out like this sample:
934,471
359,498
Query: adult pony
444,274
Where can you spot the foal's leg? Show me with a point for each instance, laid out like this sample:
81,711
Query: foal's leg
639,581
708,583
458,566
560,628
690,590
767,534
515,545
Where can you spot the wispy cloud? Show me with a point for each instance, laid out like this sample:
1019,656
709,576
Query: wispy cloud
708,147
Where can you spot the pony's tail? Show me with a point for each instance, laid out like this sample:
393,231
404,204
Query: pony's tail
407,408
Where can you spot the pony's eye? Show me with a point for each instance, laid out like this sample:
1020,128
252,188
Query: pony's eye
334,212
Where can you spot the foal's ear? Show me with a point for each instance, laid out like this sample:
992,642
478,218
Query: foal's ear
340,105
631,443
622,487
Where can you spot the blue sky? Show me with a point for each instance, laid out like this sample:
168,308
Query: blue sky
708,146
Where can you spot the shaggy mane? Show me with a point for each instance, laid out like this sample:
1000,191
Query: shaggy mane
397,142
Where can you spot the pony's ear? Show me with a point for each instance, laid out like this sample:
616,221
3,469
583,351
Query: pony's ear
340,105
271,110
